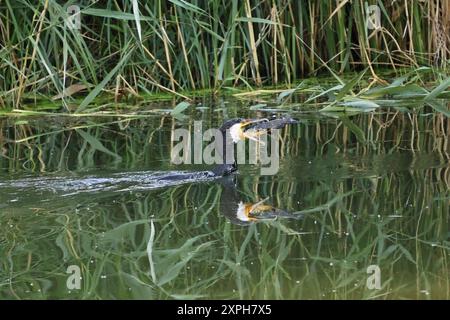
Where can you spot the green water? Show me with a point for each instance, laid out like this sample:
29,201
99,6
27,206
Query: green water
370,189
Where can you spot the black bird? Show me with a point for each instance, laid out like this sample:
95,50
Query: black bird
233,131
244,213
273,123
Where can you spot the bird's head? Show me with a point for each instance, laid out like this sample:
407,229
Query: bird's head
239,128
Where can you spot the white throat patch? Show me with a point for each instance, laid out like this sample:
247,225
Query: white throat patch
240,214
236,132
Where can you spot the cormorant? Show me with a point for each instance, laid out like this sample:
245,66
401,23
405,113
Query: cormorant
233,131
243,213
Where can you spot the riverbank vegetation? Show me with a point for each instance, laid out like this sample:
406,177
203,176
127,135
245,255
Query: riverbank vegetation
136,49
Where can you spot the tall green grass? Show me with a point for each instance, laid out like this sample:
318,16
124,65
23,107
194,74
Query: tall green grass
134,48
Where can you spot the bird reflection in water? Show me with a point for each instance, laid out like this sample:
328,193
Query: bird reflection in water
237,211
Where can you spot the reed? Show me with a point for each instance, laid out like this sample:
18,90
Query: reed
136,48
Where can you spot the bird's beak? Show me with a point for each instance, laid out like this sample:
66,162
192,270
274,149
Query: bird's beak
251,210
260,206
248,122
252,134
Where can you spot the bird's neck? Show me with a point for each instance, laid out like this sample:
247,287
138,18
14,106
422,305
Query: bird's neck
228,165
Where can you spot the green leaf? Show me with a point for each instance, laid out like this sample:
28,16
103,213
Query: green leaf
257,20
91,96
137,18
439,107
349,85
353,104
357,131
170,272
188,6
258,106
407,91
96,144
20,122
335,88
285,94
398,82
173,272
360,104
406,253
438,90
139,288
180,108
204,26
111,14
289,92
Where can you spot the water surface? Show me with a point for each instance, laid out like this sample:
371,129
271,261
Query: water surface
353,191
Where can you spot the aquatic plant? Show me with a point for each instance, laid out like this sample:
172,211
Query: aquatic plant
134,48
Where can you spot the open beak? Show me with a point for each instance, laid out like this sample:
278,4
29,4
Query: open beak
248,122
252,134
250,211
260,207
